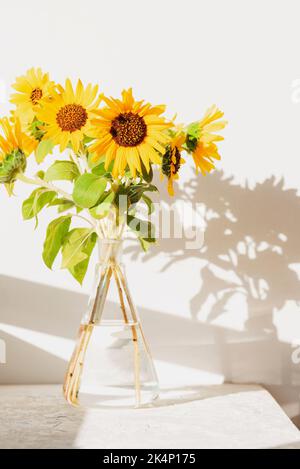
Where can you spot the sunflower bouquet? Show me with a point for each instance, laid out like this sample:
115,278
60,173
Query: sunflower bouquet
107,149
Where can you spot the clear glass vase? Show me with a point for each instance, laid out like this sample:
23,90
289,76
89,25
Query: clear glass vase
111,364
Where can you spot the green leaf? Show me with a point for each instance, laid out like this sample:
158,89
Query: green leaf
43,149
63,204
56,232
72,252
149,203
63,207
141,228
147,176
101,209
99,170
37,200
88,188
145,243
62,170
136,191
82,254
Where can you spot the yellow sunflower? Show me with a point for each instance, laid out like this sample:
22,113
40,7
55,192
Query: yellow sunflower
128,132
32,88
15,146
204,150
67,116
172,160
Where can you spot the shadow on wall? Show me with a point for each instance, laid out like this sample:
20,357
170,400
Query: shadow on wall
252,240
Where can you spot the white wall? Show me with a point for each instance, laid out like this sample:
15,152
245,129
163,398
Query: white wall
209,318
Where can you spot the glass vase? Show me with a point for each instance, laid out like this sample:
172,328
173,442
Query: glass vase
111,364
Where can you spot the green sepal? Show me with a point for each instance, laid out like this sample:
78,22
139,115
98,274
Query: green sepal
35,129
9,186
13,164
193,130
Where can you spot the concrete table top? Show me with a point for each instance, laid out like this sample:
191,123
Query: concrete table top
221,416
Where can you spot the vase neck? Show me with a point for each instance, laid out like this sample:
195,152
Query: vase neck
110,250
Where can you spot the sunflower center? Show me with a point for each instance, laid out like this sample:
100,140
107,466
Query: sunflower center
71,117
171,161
36,95
128,129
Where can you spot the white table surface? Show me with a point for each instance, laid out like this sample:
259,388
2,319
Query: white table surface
222,416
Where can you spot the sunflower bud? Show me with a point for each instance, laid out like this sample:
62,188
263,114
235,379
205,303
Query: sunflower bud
11,165
193,133
35,129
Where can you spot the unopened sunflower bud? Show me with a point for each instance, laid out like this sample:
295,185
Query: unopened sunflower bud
13,164
35,129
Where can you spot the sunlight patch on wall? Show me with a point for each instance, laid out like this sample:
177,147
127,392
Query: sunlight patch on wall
58,346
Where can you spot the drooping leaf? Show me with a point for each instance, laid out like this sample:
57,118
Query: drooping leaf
37,200
56,232
43,149
62,170
88,188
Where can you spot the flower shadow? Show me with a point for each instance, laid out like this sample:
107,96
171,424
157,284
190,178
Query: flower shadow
251,246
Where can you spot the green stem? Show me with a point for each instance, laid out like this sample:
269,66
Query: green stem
40,182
